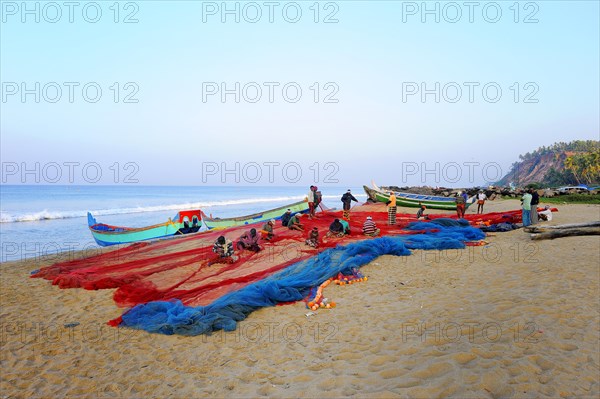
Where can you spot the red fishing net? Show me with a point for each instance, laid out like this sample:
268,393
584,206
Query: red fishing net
182,267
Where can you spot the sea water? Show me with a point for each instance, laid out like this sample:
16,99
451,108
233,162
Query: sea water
37,220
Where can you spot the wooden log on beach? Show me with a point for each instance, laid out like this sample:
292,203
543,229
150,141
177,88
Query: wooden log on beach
550,235
540,229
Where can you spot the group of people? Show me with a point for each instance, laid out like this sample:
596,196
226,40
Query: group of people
250,240
529,204
461,203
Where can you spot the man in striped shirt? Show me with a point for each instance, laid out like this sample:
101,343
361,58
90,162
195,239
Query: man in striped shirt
370,228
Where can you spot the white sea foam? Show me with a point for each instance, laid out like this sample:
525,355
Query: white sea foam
51,215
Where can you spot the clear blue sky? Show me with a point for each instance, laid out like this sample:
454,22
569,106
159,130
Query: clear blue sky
373,56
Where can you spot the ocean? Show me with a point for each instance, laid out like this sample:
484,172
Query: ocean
37,220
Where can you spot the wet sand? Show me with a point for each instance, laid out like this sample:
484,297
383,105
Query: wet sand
516,318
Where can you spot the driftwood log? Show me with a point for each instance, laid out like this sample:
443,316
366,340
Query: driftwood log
557,233
541,229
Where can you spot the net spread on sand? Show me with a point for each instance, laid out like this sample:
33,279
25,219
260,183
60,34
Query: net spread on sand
174,287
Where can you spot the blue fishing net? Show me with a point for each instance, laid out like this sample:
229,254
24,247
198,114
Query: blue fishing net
291,284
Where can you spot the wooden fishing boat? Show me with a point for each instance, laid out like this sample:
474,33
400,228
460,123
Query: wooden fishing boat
217,223
414,200
184,222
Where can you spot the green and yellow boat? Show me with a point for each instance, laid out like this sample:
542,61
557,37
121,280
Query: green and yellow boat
218,223
414,200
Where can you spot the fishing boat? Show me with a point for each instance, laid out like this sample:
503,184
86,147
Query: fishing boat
184,222
218,223
414,200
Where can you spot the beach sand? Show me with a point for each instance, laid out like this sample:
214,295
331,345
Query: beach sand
516,318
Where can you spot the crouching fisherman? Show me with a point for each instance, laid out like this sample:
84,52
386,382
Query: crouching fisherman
294,223
370,228
313,238
224,250
336,229
267,230
249,240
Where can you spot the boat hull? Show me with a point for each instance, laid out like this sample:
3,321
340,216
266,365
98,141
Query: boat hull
107,239
216,223
414,200
106,235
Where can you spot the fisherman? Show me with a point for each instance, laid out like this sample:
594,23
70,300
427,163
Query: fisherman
267,230
224,250
460,205
526,209
336,229
465,196
346,226
546,214
285,218
391,206
195,225
313,238
185,229
311,202
481,197
421,213
249,240
370,228
318,198
535,201
347,199
294,223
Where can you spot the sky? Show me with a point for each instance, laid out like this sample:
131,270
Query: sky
342,93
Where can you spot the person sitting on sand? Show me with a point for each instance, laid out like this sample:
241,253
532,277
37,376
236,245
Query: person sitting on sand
370,228
249,240
421,213
546,214
336,229
313,238
224,250
346,226
267,230
294,223
285,218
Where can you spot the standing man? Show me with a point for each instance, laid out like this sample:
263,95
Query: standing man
535,200
391,206
347,201
460,205
526,209
318,198
481,197
311,202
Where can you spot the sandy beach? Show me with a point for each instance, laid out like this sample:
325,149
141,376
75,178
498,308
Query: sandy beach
516,318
